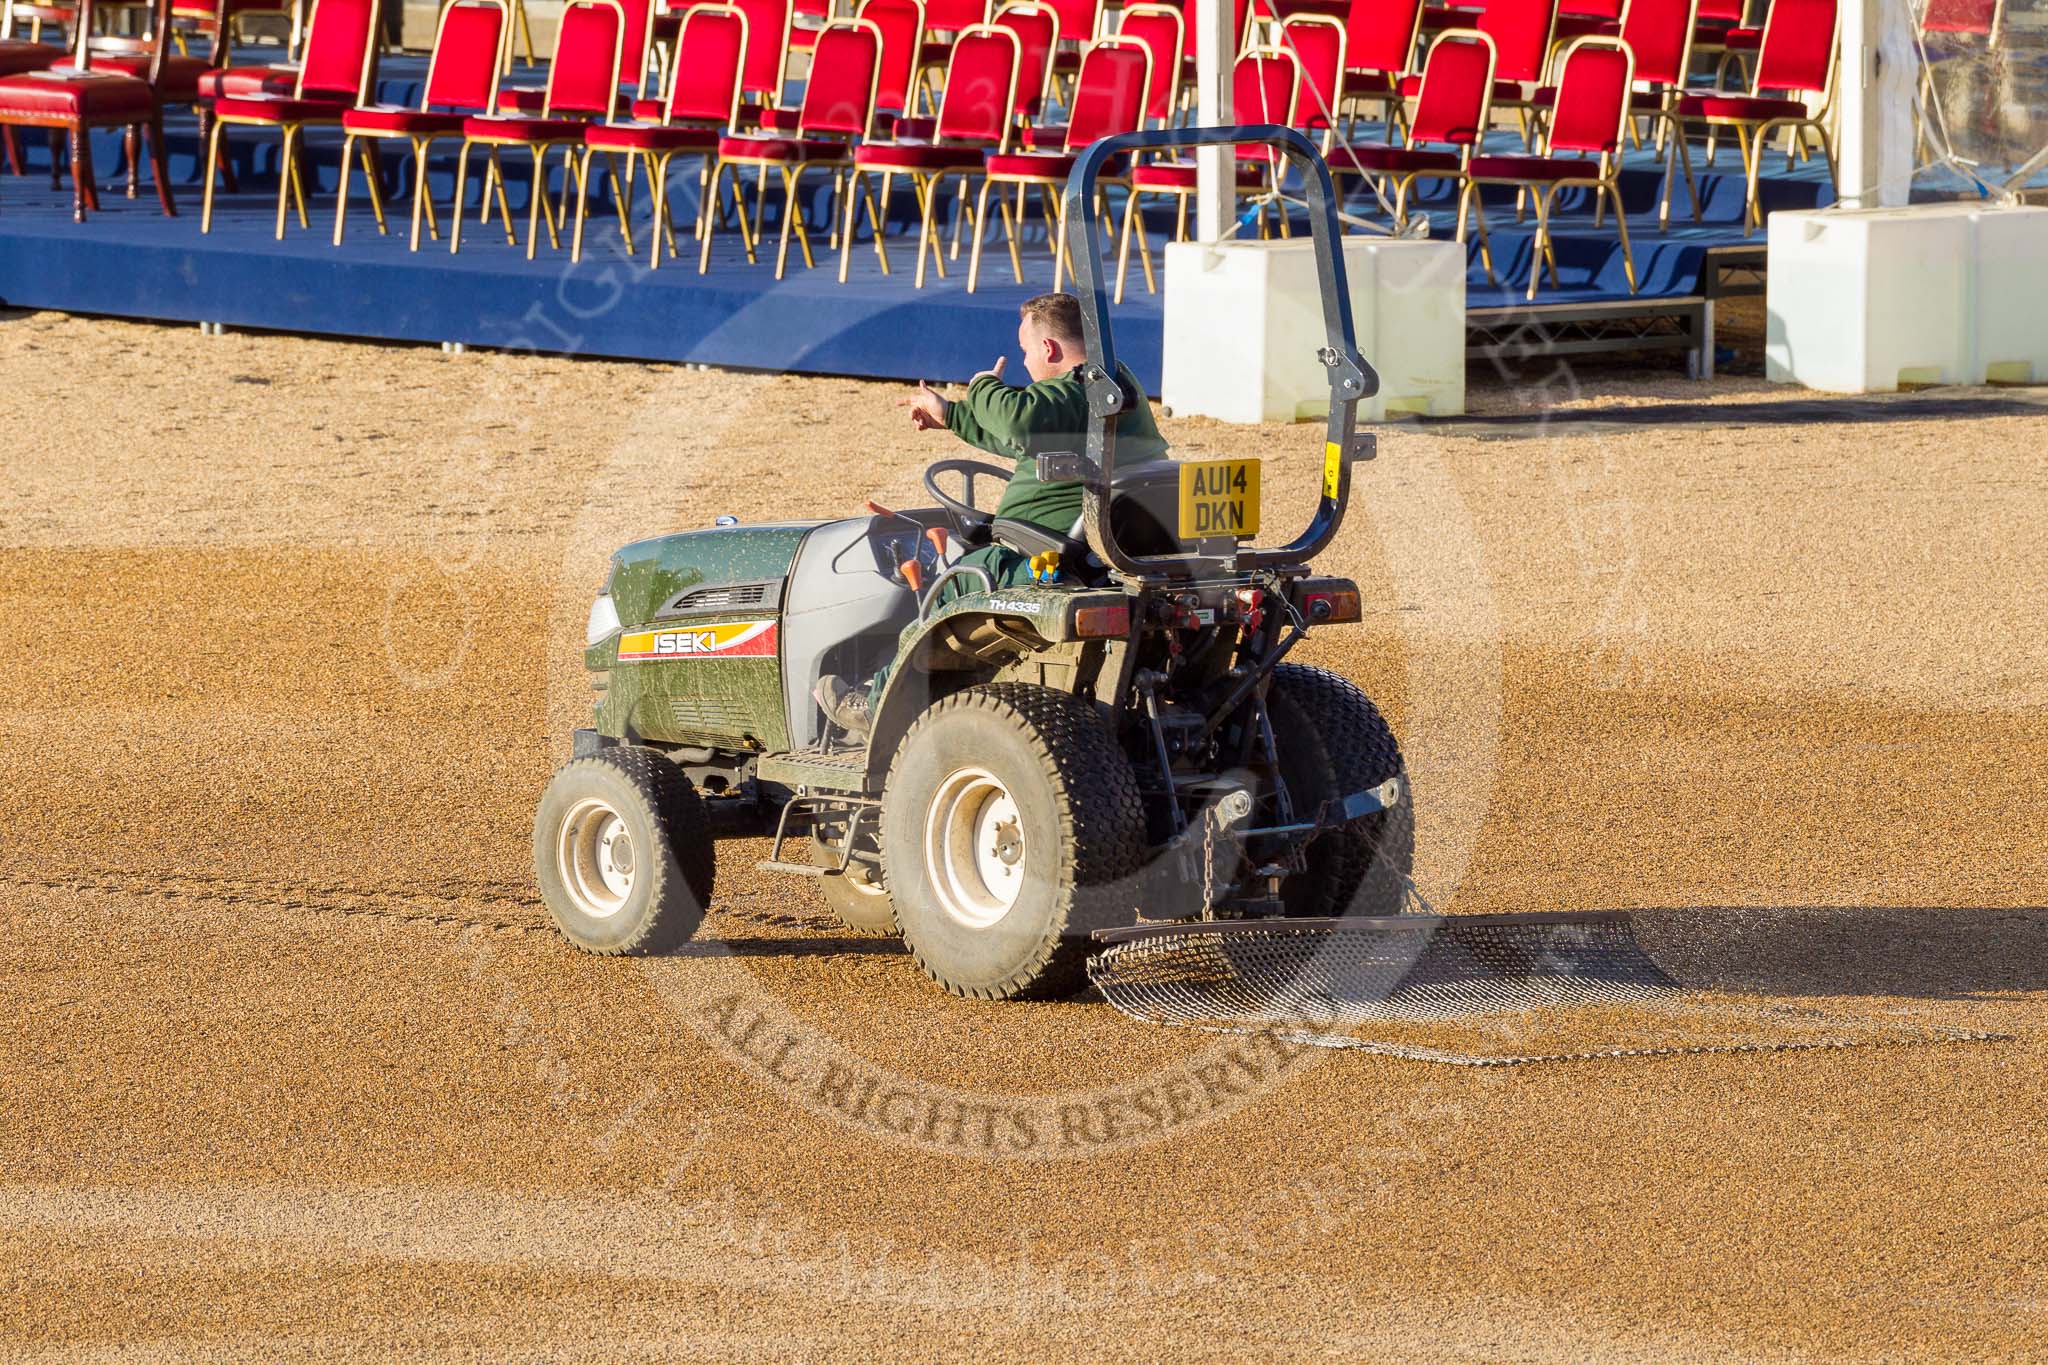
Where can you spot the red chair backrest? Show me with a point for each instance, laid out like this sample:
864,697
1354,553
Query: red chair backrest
1037,29
839,94
767,47
1961,16
1659,32
1318,45
1457,90
1264,84
1593,82
469,52
583,77
902,26
1078,19
813,9
1162,30
637,43
1109,91
1592,9
953,16
340,48
981,86
1798,49
711,55
1379,35
1521,32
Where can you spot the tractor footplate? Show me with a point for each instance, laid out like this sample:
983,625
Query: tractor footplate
1324,973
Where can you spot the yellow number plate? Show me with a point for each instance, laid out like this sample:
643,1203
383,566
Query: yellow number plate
1219,498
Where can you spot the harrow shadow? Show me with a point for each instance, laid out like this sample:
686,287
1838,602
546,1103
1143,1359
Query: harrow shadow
1911,952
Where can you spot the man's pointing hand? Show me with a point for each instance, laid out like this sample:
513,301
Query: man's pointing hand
927,409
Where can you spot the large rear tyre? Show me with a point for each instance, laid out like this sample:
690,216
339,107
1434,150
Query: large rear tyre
858,899
1333,742
1011,829
622,851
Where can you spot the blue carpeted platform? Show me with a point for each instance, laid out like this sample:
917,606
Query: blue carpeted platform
130,261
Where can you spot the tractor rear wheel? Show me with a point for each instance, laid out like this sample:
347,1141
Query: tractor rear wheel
622,851
1011,829
1333,742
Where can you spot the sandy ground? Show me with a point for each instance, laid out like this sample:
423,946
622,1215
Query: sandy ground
294,1064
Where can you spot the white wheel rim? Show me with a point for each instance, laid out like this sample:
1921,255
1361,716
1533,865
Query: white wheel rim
974,848
597,858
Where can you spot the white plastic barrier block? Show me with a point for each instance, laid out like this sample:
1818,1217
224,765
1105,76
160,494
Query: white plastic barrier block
1244,320
1862,301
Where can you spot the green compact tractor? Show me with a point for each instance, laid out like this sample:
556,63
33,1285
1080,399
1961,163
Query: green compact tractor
1122,741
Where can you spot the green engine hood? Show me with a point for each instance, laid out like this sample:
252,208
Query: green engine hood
648,574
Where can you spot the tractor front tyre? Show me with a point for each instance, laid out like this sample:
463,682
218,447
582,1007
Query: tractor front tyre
1011,829
1333,742
858,898
622,851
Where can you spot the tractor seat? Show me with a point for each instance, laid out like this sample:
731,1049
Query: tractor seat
1144,508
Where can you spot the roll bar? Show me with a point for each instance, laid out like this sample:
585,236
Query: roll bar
1351,379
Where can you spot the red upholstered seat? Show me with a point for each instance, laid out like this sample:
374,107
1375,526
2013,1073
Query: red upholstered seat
1365,84
1373,156
1038,164
1411,86
777,120
391,118
886,156
223,82
280,109
1180,175
1530,168
647,110
17,56
1642,101
650,137
933,54
1739,107
522,99
177,80
1742,39
1570,26
912,128
745,148
1049,137
76,95
509,128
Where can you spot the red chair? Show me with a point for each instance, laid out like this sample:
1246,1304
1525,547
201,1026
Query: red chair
1265,84
1972,18
838,110
950,17
1037,27
703,98
74,100
1163,31
146,55
1379,49
1109,98
766,71
636,49
902,26
1795,61
975,108
1081,23
21,55
472,43
1589,119
1453,102
1317,42
1522,36
339,65
583,85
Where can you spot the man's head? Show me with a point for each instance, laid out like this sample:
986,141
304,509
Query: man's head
1049,333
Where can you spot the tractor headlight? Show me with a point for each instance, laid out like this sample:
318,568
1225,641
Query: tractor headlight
604,619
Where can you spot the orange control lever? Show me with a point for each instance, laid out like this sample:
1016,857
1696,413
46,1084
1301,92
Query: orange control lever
913,574
937,536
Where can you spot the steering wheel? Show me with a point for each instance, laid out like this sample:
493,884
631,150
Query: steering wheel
970,521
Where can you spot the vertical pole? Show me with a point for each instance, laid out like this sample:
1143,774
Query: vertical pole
1215,167
1855,91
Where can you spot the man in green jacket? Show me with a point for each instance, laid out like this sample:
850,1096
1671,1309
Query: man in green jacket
1048,415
